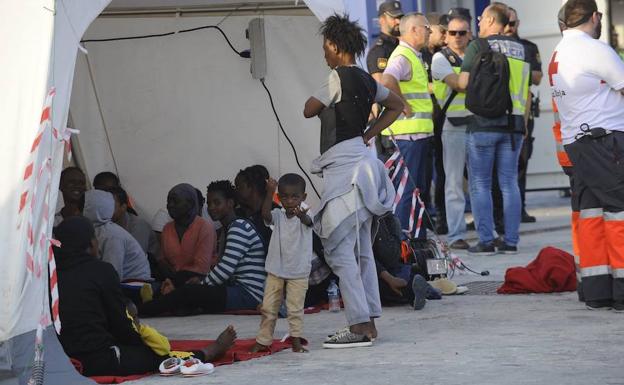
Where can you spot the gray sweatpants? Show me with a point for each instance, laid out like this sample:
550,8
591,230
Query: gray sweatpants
358,276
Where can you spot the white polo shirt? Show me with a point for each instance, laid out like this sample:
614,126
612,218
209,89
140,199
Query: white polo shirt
586,76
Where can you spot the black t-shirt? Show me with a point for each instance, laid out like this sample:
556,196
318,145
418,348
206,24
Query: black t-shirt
377,58
532,55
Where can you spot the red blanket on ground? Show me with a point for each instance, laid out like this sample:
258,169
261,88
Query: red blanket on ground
240,352
552,271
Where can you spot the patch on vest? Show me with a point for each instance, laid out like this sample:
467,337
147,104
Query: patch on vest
452,59
382,63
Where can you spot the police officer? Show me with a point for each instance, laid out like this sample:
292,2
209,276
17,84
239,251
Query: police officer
390,14
533,57
437,40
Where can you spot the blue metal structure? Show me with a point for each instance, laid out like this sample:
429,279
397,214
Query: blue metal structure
408,6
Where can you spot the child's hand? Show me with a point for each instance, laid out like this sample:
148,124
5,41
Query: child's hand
300,212
271,186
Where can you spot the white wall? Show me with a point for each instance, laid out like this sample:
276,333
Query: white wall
538,23
185,108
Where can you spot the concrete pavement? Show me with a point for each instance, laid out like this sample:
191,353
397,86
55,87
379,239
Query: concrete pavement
469,339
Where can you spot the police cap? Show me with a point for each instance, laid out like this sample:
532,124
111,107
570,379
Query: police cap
392,8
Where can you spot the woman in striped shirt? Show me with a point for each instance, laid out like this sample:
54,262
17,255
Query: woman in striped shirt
236,282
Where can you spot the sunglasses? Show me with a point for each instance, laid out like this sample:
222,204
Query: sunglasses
455,33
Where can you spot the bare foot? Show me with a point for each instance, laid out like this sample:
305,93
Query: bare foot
297,346
365,328
167,287
374,333
224,342
259,348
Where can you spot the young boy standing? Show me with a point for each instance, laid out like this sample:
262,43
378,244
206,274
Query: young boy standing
288,261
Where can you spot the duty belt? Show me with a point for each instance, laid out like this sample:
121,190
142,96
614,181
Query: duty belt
593,133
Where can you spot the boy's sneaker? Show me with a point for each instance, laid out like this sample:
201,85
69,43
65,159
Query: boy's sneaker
599,305
482,249
347,339
420,288
507,249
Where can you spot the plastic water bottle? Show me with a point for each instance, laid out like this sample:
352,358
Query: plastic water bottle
333,295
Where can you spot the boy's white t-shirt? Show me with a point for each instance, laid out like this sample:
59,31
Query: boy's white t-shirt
290,249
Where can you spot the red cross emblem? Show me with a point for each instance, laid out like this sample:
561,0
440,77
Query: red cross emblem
553,68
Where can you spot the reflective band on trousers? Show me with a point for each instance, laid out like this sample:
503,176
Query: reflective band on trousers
609,216
617,273
595,271
556,117
591,213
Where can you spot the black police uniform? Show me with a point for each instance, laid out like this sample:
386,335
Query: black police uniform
532,56
377,58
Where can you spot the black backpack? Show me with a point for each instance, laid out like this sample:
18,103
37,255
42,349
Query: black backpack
488,93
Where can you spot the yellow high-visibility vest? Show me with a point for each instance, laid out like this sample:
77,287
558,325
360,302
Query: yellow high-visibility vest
416,92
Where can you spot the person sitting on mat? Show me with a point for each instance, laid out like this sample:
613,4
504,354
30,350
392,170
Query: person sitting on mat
288,261
96,329
188,243
236,282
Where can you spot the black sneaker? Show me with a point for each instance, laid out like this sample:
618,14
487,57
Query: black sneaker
599,305
618,306
459,244
526,218
420,288
498,242
347,339
507,249
482,249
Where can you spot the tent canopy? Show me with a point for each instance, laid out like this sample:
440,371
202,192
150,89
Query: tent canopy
158,111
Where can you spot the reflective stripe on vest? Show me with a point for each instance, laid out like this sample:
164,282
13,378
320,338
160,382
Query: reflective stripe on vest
562,155
519,71
416,92
457,108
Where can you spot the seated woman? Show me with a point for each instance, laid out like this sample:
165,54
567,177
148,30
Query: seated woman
236,282
96,330
188,243
250,192
116,245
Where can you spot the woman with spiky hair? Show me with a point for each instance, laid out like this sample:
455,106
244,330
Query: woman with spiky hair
356,185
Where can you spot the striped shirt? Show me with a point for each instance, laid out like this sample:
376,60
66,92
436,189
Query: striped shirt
243,260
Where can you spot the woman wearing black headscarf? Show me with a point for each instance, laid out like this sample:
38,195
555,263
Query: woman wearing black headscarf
95,327
91,307
188,243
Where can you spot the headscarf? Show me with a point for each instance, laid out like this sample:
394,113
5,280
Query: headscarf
188,193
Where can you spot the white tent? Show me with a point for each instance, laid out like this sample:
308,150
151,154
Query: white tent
157,111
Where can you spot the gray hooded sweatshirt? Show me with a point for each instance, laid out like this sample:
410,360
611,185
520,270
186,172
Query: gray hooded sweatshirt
116,245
